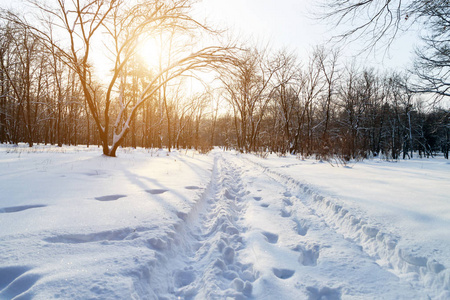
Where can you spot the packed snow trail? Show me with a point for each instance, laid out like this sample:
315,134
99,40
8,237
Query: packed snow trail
206,266
253,238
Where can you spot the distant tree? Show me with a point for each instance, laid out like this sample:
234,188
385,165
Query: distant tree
215,107
437,131
5,118
249,87
328,64
288,83
312,88
22,66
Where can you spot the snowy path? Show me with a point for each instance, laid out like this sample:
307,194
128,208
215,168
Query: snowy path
206,266
254,238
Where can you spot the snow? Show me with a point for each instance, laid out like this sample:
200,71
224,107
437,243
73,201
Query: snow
149,224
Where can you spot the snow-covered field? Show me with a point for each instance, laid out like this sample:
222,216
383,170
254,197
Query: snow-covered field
151,225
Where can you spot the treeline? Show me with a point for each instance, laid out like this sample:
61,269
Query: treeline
328,109
42,101
262,102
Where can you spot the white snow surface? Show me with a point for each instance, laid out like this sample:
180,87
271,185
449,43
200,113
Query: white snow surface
156,225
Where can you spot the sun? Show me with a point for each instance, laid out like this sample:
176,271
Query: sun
150,52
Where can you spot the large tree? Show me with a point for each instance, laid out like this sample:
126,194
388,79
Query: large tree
69,29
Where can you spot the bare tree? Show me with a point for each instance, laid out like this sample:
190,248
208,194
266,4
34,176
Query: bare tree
328,65
21,68
289,84
125,23
375,20
432,65
312,87
250,88
382,20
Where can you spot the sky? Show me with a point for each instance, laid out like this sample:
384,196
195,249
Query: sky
293,24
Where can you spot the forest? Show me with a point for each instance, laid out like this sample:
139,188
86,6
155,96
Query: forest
252,98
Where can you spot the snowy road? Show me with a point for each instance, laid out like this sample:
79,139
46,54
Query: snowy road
149,225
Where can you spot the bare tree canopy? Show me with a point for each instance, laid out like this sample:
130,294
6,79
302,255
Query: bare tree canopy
379,21
374,20
432,65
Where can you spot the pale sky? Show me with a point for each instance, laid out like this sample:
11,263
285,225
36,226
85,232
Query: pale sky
292,24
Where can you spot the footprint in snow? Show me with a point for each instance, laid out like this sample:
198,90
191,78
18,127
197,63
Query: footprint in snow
192,187
182,215
287,194
287,202
156,191
103,236
265,205
286,213
301,227
308,255
244,287
9,274
184,277
228,255
283,273
16,281
13,209
257,198
110,197
271,237
229,195
323,293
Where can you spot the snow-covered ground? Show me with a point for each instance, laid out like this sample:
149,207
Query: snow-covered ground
151,225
